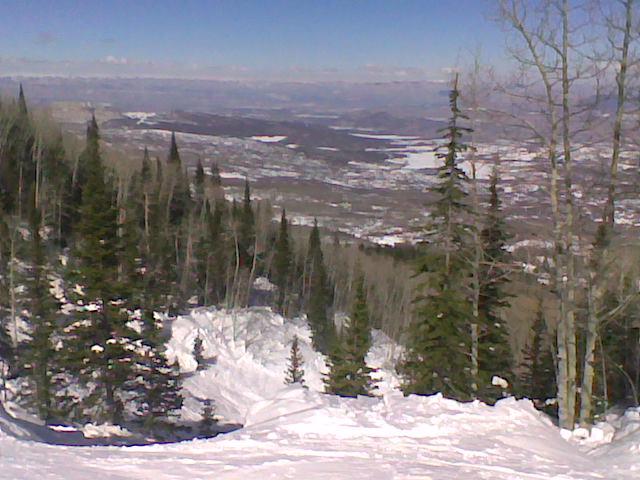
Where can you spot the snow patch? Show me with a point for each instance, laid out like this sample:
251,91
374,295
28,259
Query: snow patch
268,138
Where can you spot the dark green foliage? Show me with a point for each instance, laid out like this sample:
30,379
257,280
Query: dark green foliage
97,230
295,372
179,192
7,352
538,378
618,353
40,351
438,346
282,263
494,356
17,166
208,420
245,219
174,155
199,183
212,255
22,103
349,375
198,350
100,346
319,297
108,276
156,385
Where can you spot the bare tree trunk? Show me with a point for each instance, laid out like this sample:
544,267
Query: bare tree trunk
570,226
535,41
598,262
588,370
621,83
476,260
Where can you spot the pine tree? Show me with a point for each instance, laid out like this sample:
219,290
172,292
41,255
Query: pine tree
295,372
198,350
179,200
495,356
212,255
246,228
282,263
199,184
157,385
321,323
97,336
174,155
538,379
438,346
22,103
349,375
40,354
208,420
17,168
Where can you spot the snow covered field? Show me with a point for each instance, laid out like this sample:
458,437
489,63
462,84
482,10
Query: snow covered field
293,432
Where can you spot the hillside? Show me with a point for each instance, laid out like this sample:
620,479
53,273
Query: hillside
296,433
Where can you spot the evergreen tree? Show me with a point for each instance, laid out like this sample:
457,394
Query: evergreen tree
174,155
156,385
97,336
246,228
208,420
282,263
320,321
295,372
199,183
17,167
179,191
538,378
84,165
198,351
40,354
438,347
494,356
212,255
7,351
349,375
22,103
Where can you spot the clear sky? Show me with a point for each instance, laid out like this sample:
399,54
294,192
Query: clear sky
287,38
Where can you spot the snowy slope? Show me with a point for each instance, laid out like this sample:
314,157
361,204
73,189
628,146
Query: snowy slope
296,433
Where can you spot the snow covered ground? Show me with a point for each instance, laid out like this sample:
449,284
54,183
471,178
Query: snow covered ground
292,432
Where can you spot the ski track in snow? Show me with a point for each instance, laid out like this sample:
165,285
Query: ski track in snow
298,433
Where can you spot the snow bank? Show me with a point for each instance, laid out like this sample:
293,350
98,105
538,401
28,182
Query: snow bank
247,353
268,138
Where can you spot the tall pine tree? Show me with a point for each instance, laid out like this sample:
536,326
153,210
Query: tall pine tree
438,346
282,263
320,321
494,355
97,336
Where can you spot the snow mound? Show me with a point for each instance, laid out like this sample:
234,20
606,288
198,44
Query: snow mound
624,435
247,353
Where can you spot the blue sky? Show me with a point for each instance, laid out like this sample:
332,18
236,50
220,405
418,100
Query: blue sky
287,38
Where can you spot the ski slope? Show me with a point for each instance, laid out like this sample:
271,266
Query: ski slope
300,433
